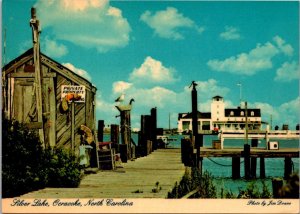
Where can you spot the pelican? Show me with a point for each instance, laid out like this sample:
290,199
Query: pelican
120,98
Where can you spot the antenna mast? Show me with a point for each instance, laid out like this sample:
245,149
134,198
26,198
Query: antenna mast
34,23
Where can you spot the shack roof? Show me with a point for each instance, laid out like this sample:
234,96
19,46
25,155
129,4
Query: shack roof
47,61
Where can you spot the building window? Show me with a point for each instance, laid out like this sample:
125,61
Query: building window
185,125
231,113
252,113
242,113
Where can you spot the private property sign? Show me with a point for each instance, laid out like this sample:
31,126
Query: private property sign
73,93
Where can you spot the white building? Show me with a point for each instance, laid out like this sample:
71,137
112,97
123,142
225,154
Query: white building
221,118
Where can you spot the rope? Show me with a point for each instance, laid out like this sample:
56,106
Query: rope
220,163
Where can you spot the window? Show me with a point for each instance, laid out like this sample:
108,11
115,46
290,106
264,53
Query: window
185,125
231,113
242,113
252,113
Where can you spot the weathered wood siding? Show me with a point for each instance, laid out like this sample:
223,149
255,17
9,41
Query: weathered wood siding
61,129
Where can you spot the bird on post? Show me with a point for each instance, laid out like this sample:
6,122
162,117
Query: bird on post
194,84
120,98
131,100
125,107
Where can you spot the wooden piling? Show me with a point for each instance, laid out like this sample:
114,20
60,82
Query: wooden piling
125,131
254,143
153,128
277,184
114,136
247,165
123,152
195,124
287,167
262,168
186,152
100,130
236,168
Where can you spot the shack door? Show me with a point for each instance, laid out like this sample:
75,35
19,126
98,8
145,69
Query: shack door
23,103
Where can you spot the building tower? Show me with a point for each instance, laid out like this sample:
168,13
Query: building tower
217,109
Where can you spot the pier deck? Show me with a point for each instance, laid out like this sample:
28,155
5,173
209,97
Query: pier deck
255,152
163,166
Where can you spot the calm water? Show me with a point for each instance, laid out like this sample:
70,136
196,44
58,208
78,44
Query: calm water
222,174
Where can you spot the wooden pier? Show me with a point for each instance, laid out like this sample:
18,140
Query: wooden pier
137,179
255,152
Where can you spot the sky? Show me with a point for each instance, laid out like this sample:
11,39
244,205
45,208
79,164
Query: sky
153,50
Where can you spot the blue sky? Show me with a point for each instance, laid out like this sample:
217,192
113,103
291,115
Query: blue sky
152,50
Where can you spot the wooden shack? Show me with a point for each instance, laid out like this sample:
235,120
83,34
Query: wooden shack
35,89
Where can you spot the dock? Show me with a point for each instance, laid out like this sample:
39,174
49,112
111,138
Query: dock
255,152
136,179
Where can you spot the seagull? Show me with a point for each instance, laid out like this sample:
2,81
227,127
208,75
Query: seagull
120,98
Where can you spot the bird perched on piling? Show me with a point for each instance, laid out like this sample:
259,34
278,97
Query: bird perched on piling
131,100
120,98
125,107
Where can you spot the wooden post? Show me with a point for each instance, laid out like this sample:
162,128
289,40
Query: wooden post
254,143
287,167
73,126
236,168
262,168
186,151
142,136
100,130
195,121
125,131
114,136
34,23
123,152
145,134
148,133
154,127
247,161
277,184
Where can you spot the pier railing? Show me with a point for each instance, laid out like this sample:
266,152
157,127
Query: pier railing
258,134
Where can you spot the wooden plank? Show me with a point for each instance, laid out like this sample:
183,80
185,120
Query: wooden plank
163,166
72,126
255,152
19,63
66,73
52,117
31,75
34,125
18,102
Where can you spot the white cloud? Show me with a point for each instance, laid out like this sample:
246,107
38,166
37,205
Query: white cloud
289,112
230,33
121,86
287,49
86,23
152,71
53,49
167,23
258,59
78,71
288,72
106,109
286,113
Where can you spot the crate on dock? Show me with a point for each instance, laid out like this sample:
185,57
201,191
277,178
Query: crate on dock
106,156
216,144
